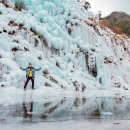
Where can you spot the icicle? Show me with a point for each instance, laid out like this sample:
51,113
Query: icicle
87,62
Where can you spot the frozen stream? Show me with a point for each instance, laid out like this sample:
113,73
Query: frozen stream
33,107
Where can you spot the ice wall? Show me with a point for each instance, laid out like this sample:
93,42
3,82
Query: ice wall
61,36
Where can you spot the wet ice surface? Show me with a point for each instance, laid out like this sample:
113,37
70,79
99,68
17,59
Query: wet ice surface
66,109
31,107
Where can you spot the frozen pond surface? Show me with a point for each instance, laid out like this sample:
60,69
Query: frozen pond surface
64,109
35,107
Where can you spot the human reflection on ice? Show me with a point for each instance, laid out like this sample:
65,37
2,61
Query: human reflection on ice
27,109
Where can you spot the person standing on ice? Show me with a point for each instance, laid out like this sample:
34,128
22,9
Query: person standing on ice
30,74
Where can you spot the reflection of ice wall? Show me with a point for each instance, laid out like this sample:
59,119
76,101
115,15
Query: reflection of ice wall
74,52
66,108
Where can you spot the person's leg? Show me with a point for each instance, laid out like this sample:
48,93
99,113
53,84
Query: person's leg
32,79
26,83
31,107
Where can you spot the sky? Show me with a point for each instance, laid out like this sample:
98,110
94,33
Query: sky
108,6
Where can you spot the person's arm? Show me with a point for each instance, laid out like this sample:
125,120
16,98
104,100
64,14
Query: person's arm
23,69
38,69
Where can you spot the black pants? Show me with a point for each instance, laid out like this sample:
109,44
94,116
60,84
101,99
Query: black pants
26,113
29,78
